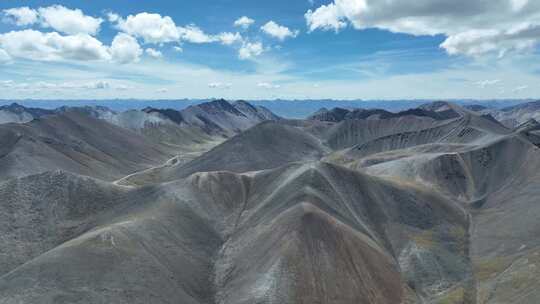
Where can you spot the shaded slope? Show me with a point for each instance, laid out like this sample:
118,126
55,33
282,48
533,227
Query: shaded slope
505,246
158,126
469,129
75,143
359,126
340,114
354,132
530,130
466,173
465,158
264,146
254,111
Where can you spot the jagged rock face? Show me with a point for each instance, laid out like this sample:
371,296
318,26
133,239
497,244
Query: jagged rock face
433,205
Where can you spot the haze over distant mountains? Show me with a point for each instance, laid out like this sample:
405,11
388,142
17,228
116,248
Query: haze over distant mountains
227,202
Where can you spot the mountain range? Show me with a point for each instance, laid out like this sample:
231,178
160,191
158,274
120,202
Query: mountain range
229,203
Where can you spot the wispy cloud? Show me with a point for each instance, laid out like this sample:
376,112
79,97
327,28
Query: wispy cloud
220,85
486,83
268,86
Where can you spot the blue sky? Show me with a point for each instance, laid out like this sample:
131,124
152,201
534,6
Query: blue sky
342,49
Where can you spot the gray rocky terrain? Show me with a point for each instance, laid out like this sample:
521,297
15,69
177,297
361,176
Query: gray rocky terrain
76,143
512,116
16,113
227,203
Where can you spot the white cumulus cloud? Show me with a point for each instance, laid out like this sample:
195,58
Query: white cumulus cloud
194,34
125,49
278,31
153,53
478,42
250,50
228,38
68,21
113,17
244,22
35,45
21,16
152,28
472,27
326,17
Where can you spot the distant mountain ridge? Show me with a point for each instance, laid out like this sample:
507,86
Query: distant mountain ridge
17,113
340,114
197,124
219,116
512,116
160,134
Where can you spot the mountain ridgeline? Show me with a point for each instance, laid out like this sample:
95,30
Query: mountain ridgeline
105,144
228,203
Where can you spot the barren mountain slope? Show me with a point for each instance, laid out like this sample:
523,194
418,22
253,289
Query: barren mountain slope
469,129
40,212
493,172
219,117
414,208
155,126
516,115
505,247
267,145
358,131
299,233
75,143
